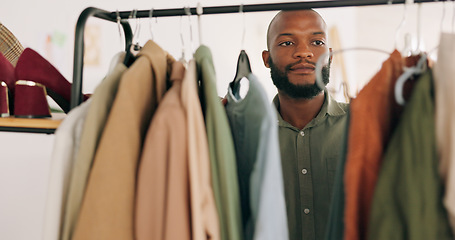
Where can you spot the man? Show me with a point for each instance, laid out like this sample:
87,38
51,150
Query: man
312,125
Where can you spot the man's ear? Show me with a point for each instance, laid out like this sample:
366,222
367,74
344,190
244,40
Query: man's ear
265,58
331,56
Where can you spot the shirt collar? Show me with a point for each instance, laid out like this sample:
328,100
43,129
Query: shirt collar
329,107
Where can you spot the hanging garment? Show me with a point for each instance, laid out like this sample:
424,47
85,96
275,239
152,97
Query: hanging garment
108,205
10,46
66,143
335,224
204,217
221,149
407,200
374,114
163,196
255,133
309,161
97,114
445,120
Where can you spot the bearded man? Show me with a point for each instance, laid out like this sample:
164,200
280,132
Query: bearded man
312,125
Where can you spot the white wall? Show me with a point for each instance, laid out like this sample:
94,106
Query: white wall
33,21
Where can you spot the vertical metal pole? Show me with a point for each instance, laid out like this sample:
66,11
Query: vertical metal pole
76,88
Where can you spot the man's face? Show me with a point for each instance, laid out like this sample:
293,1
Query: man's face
296,40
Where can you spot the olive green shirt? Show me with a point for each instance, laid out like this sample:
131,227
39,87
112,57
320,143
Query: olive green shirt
309,159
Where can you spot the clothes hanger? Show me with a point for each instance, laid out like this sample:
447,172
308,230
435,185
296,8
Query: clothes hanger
188,14
243,63
120,29
407,48
119,57
199,11
319,62
441,24
134,48
183,57
410,72
420,67
150,23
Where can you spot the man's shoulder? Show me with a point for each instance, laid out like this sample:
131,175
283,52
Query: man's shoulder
336,108
344,106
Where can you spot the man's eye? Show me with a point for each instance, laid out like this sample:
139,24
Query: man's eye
287,43
319,43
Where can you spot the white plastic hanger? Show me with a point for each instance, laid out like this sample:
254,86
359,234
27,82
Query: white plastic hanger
433,51
199,11
137,29
419,68
183,56
150,23
134,49
120,29
409,72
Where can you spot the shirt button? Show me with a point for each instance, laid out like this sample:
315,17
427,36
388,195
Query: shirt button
302,133
304,171
306,211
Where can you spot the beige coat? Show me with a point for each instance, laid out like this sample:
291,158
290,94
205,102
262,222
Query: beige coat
162,202
175,196
96,118
108,205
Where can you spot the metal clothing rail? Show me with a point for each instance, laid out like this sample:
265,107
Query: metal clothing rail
76,91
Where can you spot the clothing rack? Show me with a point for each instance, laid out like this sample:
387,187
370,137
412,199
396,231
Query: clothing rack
76,91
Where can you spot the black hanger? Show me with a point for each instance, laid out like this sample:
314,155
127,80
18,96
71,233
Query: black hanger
243,69
130,56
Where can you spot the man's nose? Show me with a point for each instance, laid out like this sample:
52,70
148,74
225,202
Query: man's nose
303,51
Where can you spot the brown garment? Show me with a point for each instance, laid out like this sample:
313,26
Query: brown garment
108,205
162,198
374,114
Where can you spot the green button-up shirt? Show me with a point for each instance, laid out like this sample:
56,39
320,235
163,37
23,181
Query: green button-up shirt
309,158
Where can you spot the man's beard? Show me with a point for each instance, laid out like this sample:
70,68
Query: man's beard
306,91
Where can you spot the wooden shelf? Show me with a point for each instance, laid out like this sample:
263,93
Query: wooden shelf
34,125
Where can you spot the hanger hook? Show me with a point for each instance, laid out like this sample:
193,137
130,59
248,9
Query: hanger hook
402,23
199,11
133,15
119,28
244,25
188,13
150,22
319,63
181,39
443,15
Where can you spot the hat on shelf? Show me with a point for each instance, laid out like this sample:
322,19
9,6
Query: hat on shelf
10,46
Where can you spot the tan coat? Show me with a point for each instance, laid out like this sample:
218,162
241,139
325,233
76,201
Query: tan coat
204,217
93,128
108,205
162,202
174,196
